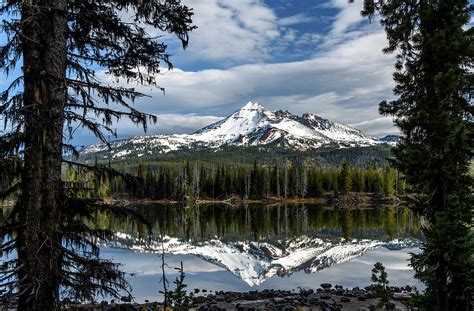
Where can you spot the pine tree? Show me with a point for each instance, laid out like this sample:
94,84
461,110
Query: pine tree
59,45
380,285
345,181
389,181
433,109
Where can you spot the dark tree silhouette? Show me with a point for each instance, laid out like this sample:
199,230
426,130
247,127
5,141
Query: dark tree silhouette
434,111
59,45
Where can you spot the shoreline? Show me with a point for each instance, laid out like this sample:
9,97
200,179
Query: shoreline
348,200
355,200
326,297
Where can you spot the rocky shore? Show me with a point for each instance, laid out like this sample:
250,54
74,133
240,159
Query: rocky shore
326,297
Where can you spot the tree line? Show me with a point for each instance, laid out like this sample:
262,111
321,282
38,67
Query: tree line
256,182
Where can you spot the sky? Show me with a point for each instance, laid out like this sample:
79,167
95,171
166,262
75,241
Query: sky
316,56
311,56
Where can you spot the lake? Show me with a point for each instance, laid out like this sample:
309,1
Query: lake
254,247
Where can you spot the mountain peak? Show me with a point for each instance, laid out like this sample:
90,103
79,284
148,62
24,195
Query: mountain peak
251,125
252,106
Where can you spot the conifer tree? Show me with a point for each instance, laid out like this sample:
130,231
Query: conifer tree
59,44
345,182
433,110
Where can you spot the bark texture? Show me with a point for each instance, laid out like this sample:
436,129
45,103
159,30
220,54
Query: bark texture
44,55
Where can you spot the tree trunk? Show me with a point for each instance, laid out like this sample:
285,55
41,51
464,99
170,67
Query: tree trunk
44,24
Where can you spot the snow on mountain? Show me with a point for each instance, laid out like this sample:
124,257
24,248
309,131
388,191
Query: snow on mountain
256,262
391,139
251,125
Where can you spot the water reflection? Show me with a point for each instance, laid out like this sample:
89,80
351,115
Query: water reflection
262,222
257,242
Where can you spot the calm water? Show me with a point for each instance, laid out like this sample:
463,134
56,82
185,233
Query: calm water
250,247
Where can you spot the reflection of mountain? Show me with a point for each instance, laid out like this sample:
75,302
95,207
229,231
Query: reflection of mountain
256,262
256,242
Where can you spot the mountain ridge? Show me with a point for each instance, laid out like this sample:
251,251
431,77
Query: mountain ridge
251,125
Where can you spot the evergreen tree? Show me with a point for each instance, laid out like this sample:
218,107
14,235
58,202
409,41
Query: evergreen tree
434,82
380,285
59,44
389,181
345,181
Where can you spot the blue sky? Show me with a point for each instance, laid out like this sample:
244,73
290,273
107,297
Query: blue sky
317,56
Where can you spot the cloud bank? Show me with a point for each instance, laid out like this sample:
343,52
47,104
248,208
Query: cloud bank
343,80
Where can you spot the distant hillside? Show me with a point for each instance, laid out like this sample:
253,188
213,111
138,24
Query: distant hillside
324,158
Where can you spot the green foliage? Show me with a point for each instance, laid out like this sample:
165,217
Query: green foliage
179,182
345,179
246,156
434,111
179,299
196,222
380,285
389,181
59,45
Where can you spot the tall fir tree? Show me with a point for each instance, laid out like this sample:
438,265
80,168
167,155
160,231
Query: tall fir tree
434,111
345,180
59,44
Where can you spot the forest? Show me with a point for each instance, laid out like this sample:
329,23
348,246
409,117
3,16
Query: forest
78,67
186,180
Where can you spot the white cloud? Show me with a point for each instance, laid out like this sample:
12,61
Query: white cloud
348,16
176,123
231,31
295,19
344,82
378,127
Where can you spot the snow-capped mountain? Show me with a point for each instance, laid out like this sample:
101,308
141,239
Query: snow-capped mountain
251,125
391,139
256,262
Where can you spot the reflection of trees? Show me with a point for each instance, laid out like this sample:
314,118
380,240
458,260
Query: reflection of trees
267,222
390,223
346,224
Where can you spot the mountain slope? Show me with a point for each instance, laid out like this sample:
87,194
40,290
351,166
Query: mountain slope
252,125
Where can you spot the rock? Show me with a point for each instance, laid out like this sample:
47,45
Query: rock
313,299
126,299
199,299
306,292
326,285
369,295
390,306
402,296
